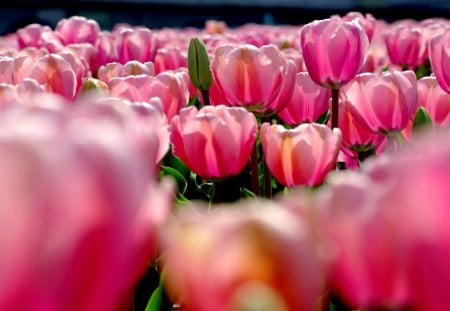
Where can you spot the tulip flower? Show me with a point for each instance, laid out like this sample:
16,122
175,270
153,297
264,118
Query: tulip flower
334,51
198,65
77,29
406,45
136,44
35,35
248,256
131,68
435,100
308,102
438,51
383,103
253,77
82,243
300,156
215,141
105,51
170,58
367,21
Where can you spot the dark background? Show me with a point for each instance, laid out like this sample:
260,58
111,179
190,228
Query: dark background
15,14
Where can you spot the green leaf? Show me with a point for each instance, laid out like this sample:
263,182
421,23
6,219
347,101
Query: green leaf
323,119
246,193
155,301
421,120
179,178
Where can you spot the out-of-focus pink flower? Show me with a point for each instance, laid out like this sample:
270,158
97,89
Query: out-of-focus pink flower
215,141
255,253
131,68
77,29
439,53
56,74
406,45
136,44
105,51
368,269
435,100
377,60
333,50
300,156
356,136
170,87
308,102
368,22
172,58
7,69
296,56
36,35
253,77
82,243
383,103
215,27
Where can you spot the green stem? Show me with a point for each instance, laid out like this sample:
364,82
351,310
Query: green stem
363,155
334,108
254,168
205,95
267,181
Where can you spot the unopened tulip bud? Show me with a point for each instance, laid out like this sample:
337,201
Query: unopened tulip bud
198,65
92,86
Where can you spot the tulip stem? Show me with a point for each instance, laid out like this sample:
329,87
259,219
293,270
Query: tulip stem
205,95
334,108
255,171
267,173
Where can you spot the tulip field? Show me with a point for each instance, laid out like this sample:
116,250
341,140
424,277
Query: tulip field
256,168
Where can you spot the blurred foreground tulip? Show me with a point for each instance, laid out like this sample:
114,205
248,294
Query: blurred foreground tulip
79,212
215,141
302,156
250,256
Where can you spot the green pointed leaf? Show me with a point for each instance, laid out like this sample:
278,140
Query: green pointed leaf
246,193
422,120
177,176
155,301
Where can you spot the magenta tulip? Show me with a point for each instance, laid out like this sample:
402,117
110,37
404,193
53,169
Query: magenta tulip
333,50
300,156
439,53
215,141
435,100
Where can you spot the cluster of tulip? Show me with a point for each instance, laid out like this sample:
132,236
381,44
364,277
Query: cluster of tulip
119,149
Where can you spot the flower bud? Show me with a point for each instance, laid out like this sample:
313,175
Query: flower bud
198,65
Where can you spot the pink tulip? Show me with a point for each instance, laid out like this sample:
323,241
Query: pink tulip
368,270
82,243
333,50
300,156
253,77
136,44
308,102
256,255
77,29
296,57
383,103
170,59
435,100
7,69
439,53
355,136
35,35
105,51
170,87
215,141
368,22
133,67
406,45
57,74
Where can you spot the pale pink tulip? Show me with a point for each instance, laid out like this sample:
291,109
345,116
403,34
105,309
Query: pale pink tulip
170,59
435,100
136,44
35,35
253,77
300,156
439,53
383,103
308,102
77,29
105,51
133,67
7,69
333,50
250,255
56,74
215,141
